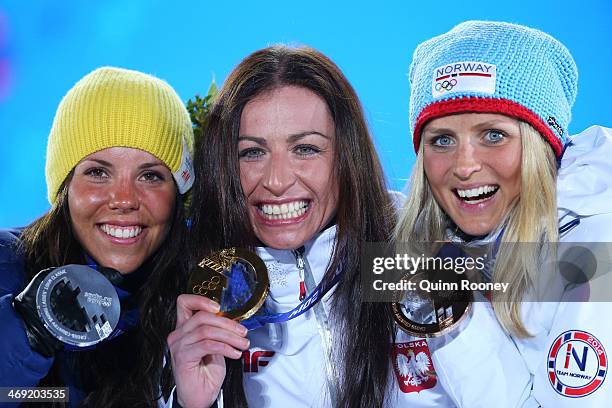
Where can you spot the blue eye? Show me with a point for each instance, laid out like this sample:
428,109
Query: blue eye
442,141
306,150
494,136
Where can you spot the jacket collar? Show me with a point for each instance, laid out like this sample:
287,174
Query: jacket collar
281,263
319,244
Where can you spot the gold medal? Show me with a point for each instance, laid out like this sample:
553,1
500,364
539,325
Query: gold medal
235,278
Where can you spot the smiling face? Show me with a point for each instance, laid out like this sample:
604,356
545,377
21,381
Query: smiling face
286,149
121,205
473,164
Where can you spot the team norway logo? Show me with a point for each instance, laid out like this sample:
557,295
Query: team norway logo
413,367
577,364
465,76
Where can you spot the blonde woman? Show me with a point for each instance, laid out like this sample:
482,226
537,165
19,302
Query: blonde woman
287,130
490,107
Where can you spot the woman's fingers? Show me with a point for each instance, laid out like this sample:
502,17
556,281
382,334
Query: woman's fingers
208,332
205,317
198,347
186,305
200,330
192,354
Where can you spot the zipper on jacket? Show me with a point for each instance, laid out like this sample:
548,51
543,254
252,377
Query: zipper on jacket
299,259
307,285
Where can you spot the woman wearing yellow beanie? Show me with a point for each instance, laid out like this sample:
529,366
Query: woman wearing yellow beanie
118,166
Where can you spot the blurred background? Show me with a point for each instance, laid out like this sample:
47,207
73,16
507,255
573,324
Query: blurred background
46,46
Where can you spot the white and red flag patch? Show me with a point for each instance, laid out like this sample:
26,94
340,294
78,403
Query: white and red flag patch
577,364
413,366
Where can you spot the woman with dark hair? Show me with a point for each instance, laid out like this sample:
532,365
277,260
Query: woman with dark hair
118,166
287,167
290,167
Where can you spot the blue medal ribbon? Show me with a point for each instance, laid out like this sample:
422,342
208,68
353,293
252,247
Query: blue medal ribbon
128,318
264,317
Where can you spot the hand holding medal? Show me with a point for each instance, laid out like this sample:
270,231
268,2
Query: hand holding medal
225,287
72,306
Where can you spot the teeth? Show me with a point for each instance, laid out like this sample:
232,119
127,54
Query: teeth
121,232
476,201
475,192
284,211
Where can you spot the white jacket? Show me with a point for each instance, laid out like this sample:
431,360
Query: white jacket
569,350
285,365
478,365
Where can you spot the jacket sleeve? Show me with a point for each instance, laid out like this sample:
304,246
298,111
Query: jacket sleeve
573,370
479,365
574,364
19,365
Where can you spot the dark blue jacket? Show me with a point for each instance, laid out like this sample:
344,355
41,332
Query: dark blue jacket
20,366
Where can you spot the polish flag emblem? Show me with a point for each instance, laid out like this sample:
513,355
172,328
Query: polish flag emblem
413,367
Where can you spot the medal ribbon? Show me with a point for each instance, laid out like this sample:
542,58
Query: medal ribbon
128,318
264,317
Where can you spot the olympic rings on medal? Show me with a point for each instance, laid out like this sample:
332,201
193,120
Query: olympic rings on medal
205,286
212,277
446,85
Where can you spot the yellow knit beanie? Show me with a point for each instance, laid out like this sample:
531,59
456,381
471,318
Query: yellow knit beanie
114,107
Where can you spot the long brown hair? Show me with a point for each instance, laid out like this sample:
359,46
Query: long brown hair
128,370
364,330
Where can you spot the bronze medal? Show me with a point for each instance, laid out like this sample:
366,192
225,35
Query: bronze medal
432,313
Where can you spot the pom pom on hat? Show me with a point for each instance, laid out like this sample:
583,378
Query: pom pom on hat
495,67
114,107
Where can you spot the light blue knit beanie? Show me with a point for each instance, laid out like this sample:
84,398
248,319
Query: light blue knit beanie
495,67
